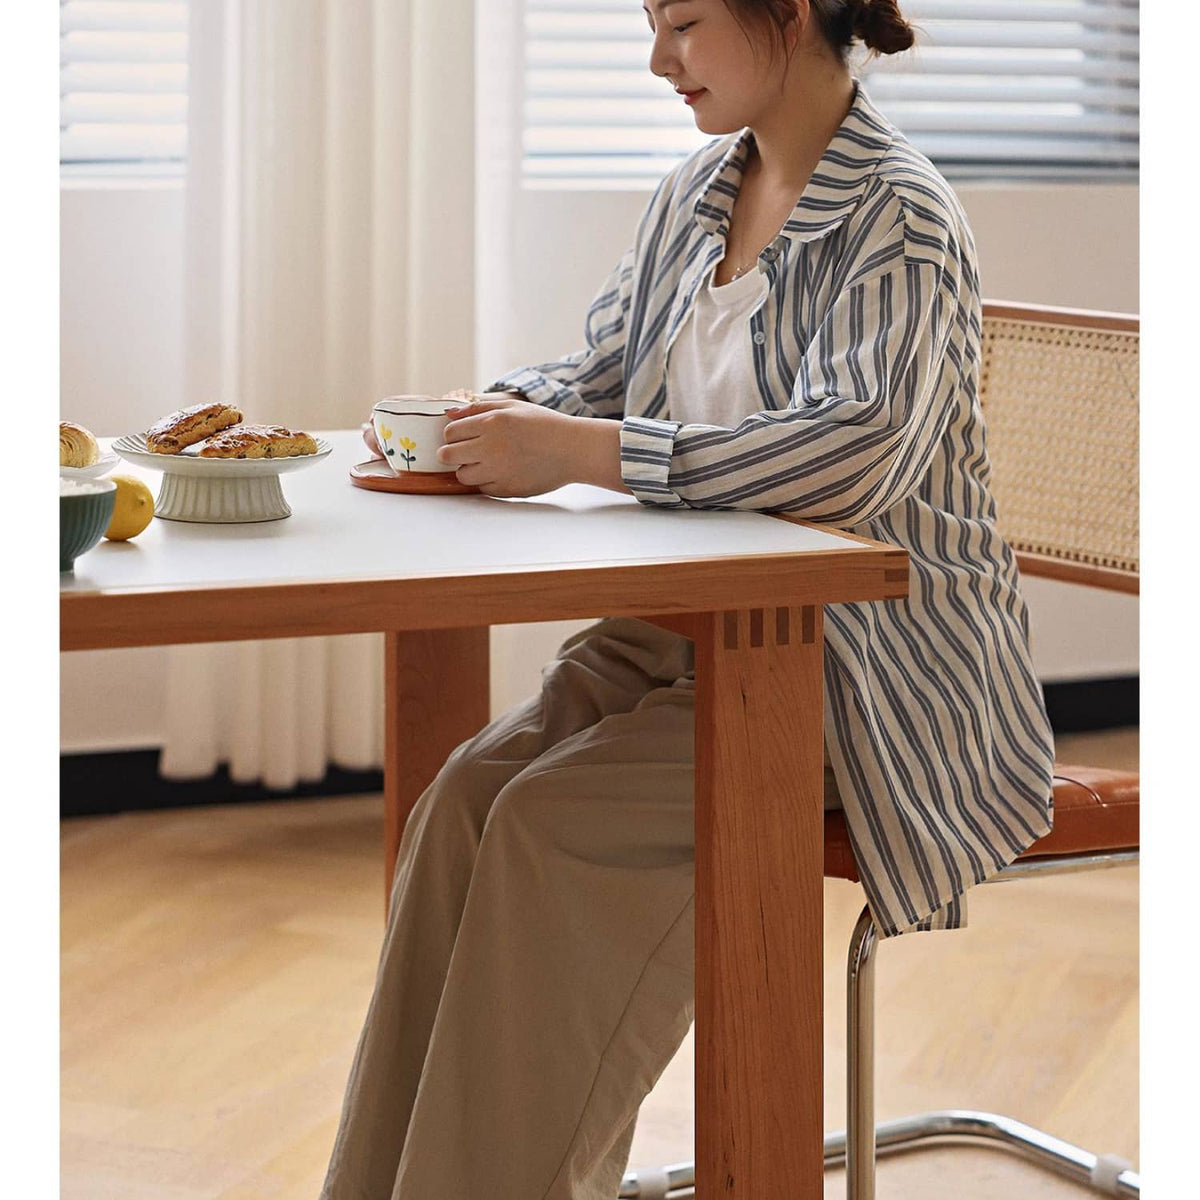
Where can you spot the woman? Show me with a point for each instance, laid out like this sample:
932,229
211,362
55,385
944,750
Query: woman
796,328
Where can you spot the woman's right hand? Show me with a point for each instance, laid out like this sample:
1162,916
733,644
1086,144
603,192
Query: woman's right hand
463,395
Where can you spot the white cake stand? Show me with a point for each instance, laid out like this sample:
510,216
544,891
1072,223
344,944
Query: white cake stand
217,490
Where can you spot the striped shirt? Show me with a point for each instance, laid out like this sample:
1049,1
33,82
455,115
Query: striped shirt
865,351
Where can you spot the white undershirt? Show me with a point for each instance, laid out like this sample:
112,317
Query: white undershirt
710,370
710,375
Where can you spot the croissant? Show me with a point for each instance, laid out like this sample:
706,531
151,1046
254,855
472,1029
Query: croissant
76,446
188,426
259,441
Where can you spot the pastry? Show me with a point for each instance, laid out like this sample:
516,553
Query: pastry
259,441
76,446
188,426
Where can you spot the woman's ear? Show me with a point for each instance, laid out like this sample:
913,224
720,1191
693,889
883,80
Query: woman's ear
796,25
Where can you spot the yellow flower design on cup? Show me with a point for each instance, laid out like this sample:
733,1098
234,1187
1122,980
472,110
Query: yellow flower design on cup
407,446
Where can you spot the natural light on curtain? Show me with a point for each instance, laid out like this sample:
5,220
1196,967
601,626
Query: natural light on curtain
319,131
993,88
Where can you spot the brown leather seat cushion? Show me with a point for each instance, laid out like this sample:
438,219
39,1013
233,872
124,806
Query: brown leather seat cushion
1094,810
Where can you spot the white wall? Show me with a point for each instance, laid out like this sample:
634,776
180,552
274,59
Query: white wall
121,366
121,363
121,302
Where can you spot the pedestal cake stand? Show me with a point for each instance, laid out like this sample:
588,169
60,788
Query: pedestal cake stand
217,490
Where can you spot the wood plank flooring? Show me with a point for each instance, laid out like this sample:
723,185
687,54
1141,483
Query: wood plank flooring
217,963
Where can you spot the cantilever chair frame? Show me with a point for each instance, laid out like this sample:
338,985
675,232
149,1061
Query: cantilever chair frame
862,1141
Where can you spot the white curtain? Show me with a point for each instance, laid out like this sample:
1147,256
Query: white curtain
330,262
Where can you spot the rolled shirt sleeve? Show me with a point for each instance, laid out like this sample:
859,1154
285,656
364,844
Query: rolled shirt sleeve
872,395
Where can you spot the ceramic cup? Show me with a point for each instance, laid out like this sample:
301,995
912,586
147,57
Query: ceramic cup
410,429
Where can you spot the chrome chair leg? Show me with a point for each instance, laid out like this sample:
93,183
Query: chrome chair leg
659,1183
860,1060
1105,1173
857,1145
863,1141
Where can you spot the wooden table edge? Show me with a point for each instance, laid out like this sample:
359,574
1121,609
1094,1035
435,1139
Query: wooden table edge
216,613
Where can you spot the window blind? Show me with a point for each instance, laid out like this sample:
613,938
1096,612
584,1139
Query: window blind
1008,88
123,82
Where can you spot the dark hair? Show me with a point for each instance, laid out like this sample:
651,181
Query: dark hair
876,23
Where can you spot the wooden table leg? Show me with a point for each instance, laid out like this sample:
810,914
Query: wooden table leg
436,696
759,833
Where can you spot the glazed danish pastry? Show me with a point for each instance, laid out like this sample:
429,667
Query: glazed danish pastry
259,441
190,425
76,446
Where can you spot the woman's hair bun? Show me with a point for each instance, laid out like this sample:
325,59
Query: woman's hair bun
879,25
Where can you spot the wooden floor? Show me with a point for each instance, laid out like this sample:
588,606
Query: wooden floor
217,963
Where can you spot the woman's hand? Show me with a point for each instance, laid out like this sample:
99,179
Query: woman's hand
367,428
508,447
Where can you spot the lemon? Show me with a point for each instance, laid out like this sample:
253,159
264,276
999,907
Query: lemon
132,511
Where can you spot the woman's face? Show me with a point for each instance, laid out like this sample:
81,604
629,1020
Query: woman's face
726,68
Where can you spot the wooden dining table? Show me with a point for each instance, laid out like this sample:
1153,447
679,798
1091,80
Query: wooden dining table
434,573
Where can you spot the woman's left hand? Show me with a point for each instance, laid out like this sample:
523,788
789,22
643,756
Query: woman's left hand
509,447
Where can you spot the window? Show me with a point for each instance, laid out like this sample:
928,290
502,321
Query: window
992,88
123,85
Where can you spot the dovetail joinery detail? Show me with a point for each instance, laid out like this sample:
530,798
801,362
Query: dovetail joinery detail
760,627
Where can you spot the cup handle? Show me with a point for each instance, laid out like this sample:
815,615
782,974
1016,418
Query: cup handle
370,440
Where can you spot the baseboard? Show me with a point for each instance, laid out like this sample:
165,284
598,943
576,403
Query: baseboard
1086,705
92,785
128,780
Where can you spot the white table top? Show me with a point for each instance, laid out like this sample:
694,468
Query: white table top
338,531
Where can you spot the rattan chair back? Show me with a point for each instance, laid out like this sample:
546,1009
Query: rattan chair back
1059,391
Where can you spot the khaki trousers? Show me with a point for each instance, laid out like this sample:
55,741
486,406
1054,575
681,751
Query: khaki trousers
537,969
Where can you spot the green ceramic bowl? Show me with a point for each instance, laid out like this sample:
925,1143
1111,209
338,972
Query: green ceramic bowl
82,519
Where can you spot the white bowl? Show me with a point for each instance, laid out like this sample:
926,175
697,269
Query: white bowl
410,430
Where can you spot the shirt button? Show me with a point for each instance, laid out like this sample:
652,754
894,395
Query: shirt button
759,338
770,253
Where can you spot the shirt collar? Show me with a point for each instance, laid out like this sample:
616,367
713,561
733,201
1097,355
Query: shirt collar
831,194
